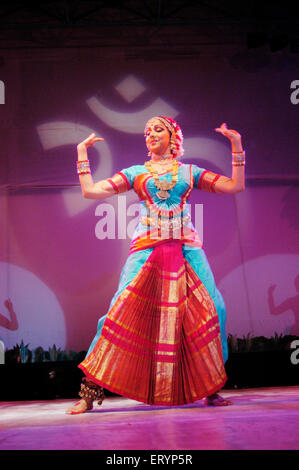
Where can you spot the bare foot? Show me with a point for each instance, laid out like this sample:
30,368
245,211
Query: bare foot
216,400
80,407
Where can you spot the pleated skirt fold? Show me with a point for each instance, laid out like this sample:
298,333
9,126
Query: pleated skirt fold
160,343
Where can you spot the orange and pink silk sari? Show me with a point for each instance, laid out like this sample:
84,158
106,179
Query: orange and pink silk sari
163,339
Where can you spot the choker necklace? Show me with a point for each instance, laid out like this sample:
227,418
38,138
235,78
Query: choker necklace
163,158
163,186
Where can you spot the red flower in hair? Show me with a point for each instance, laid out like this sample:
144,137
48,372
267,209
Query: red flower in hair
169,119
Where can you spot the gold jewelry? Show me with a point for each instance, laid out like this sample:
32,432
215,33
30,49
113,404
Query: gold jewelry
91,390
163,158
238,155
172,223
163,186
161,162
238,158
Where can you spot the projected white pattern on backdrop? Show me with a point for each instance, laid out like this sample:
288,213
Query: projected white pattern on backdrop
56,134
39,316
59,133
262,304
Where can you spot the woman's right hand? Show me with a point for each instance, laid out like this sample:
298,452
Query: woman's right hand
89,141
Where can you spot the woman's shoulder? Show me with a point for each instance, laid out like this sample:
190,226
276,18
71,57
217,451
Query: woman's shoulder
138,169
195,168
134,169
187,166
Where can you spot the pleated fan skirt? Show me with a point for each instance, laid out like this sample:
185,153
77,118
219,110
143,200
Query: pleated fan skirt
161,341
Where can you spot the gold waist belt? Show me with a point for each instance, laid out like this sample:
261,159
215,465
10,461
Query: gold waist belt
174,223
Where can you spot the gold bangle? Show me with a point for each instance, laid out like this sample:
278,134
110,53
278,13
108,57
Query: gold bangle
238,156
83,167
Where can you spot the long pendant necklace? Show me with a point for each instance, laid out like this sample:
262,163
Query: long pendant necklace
163,186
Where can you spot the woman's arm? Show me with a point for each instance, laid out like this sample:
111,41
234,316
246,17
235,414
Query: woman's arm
236,183
90,190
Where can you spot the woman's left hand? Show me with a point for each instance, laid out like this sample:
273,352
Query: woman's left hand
229,133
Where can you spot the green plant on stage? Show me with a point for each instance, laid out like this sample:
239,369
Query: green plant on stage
247,342
21,352
25,353
277,339
70,355
38,354
233,343
54,353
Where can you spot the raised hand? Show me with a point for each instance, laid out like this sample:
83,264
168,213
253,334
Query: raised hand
229,133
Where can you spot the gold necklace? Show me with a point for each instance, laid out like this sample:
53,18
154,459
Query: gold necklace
163,186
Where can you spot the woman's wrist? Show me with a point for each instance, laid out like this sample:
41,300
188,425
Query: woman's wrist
82,152
82,162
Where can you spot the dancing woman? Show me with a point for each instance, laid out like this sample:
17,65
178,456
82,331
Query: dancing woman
163,340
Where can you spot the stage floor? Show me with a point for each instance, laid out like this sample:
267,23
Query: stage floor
262,418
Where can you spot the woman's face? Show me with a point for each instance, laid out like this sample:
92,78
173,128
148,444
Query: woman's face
157,138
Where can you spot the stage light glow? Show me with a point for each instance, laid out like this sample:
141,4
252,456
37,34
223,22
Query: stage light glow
202,148
39,315
131,122
59,133
130,88
246,294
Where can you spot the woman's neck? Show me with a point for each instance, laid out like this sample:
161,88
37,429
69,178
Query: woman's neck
162,159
